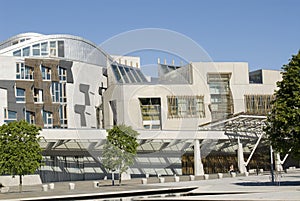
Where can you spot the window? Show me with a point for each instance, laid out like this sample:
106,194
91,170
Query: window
26,52
186,107
53,48
63,116
61,49
9,116
62,73
36,50
20,95
30,118
46,73
258,104
150,109
38,95
24,72
44,49
17,53
55,92
48,119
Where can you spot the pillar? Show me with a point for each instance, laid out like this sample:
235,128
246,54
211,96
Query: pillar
198,166
240,154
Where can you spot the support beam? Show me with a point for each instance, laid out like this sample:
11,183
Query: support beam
241,161
198,165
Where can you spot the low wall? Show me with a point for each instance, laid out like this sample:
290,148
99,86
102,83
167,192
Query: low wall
27,180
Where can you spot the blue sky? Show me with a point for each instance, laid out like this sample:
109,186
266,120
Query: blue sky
264,33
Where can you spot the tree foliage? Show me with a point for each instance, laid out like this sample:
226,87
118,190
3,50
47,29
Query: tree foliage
283,123
120,149
20,152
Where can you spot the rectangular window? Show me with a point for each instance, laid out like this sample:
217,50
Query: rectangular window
48,119
62,73
61,49
151,114
24,72
258,104
38,95
44,49
53,48
17,53
20,95
55,92
63,116
9,116
46,73
26,52
30,118
36,50
186,107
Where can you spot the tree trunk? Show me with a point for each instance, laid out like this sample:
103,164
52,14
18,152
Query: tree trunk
20,183
120,179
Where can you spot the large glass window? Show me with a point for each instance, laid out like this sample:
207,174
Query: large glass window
55,92
17,53
36,50
53,48
258,104
186,107
26,52
20,95
150,109
44,49
24,72
62,73
61,48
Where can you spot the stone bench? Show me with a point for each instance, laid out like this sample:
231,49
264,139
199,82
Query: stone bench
4,189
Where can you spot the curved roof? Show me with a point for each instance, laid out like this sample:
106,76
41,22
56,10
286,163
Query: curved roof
25,39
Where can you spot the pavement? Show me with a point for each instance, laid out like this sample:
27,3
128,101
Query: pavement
253,187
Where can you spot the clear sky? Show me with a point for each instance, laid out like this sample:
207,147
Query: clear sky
264,33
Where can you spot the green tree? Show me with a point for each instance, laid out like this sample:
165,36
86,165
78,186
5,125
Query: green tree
120,149
283,123
20,152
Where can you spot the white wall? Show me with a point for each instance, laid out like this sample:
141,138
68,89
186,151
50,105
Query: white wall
89,75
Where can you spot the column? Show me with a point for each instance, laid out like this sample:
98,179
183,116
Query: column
241,161
198,166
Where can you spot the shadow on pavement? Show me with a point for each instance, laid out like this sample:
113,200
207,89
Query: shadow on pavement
283,183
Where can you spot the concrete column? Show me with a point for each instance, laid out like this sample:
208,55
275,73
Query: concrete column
198,166
241,161
278,162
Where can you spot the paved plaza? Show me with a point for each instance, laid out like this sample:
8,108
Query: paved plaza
253,187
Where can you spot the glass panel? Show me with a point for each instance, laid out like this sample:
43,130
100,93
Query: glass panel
44,48
116,73
61,49
26,51
17,53
123,74
12,115
36,50
129,75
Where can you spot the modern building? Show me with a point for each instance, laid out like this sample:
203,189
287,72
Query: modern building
75,91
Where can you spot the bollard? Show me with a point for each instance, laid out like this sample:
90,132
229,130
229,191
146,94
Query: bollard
176,179
96,184
192,177
161,180
206,176
45,187
51,186
144,181
71,186
220,175
233,174
246,174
